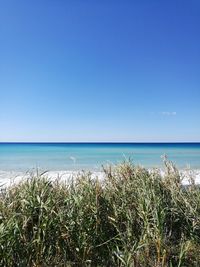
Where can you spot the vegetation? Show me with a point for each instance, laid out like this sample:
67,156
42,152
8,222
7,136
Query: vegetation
133,218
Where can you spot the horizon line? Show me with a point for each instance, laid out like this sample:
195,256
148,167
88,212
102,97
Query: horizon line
99,142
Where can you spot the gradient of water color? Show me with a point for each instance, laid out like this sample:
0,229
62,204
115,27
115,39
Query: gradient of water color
91,156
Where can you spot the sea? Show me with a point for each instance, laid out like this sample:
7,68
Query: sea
21,157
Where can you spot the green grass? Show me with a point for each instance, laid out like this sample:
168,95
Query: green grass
134,218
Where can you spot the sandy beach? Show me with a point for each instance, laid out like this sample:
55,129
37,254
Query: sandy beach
12,177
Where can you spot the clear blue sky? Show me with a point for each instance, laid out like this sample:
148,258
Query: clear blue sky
103,70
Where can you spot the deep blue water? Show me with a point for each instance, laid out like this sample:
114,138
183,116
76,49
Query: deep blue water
91,156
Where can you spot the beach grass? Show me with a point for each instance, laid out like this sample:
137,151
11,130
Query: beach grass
133,218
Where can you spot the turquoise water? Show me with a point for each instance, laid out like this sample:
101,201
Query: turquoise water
91,156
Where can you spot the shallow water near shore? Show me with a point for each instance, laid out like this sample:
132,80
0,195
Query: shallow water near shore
91,156
66,158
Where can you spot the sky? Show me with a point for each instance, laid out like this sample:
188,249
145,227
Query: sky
99,71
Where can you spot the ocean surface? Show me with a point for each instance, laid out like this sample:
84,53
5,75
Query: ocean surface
91,156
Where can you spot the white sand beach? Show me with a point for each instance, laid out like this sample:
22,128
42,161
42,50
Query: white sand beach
8,178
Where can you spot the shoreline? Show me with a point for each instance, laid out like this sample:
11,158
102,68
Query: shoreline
8,178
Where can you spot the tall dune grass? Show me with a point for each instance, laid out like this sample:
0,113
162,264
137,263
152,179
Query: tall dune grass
134,218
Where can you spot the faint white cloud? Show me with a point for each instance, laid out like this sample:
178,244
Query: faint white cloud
168,113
